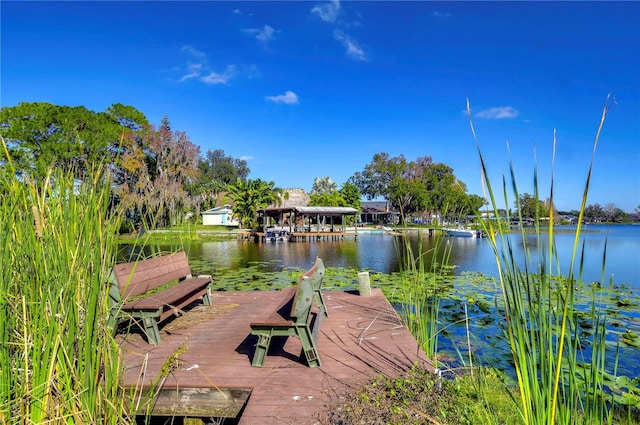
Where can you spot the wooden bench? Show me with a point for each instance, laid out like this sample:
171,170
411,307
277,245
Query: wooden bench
134,292
290,318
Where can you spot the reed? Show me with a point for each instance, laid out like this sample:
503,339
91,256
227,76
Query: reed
539,314
59,364
422,272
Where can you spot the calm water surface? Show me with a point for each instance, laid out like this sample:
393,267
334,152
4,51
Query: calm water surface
379,253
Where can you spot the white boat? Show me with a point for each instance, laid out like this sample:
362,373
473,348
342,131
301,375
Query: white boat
389,230
463,233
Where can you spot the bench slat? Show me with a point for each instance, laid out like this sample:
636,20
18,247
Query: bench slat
136,278
169,296
281,315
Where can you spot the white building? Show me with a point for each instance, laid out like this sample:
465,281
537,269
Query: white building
221,216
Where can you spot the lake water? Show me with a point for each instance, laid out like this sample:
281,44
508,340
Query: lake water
377,253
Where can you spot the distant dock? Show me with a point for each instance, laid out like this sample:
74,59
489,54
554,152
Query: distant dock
294,236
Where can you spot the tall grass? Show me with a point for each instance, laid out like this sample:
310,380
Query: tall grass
420,289
539,314
58,362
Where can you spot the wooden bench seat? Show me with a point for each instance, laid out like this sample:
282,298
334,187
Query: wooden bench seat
281,315
138,291
290,317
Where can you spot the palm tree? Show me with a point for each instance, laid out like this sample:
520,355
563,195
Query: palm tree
323,185
248,197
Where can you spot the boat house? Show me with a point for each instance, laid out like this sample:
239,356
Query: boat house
306,219
302,223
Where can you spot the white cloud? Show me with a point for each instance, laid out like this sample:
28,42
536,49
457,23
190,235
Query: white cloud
197,68
192,51
194,70
215,78
437,14
328,12
350,44
246,158
263,35
288,98
498,113
237,12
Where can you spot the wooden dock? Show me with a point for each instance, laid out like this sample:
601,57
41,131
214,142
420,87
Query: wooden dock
210,373
295,236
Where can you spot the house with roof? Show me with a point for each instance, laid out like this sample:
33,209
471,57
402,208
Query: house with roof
221,216
378,212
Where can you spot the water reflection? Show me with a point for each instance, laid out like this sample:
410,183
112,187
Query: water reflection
380,253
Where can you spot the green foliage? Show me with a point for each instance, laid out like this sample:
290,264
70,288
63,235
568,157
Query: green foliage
529,206
421,290
216,171
59,363
249,196
327,199
595,213
323,185
351,195
419,187
421,397
539,318
40,136
347,196
128,117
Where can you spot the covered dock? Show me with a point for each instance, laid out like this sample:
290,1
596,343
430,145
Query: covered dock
304,223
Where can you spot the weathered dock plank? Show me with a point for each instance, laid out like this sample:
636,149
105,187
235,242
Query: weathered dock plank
362,337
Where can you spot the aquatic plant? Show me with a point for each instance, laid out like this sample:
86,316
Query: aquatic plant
558,379
58,362
423,274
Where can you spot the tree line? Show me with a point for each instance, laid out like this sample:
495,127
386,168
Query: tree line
157,174
528,206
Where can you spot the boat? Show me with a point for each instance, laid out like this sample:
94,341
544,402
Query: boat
463,233
276,235
389,230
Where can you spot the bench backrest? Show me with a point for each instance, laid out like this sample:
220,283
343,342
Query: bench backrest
139,277
316,273
301,306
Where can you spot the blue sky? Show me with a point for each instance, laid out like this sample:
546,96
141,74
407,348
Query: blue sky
312,89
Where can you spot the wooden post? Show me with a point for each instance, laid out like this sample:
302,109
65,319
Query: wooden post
364,283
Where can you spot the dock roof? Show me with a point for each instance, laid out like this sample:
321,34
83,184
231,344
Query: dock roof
307,210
